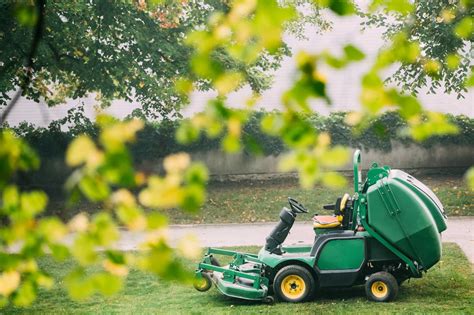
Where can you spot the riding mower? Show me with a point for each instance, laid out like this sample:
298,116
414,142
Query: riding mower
388,231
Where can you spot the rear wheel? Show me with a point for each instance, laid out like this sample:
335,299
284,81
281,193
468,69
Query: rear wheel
381,287
294,284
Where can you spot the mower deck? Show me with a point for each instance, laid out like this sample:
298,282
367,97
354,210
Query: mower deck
243,277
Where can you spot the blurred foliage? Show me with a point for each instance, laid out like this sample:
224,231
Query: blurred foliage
135,50
103,173
443,33
309,12
470,178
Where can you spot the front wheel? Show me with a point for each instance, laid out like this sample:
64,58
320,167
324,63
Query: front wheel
294,284
202,282
381,287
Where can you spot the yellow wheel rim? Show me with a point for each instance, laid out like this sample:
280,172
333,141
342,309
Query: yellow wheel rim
379,289
293,287
200,283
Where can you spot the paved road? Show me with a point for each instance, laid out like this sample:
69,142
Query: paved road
460,230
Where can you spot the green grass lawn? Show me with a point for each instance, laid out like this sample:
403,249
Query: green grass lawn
257,201
446,288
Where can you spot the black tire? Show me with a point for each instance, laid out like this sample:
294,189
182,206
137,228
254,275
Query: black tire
381,287
301,289
204,283
269,300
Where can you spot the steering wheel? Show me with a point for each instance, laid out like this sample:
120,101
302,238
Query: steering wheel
296,206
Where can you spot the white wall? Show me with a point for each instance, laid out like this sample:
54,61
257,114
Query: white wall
408,157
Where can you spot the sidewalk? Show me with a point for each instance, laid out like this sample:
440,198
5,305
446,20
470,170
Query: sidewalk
460,230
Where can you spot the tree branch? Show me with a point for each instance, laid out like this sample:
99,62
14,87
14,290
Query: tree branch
37,34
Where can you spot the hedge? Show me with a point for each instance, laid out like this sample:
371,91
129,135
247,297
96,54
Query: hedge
157,140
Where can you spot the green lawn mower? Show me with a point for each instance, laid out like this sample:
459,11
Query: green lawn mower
387,232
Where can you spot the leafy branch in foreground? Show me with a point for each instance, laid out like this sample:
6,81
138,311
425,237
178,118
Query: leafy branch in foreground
444,31
104,173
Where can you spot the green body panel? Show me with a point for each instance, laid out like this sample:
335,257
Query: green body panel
401,217
362,210
426,195
341,254
376,252
300,253
375,173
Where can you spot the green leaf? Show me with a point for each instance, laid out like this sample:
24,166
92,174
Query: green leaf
161,253
336,157
116,257
435,124
3,301
194,197
337,63
470,177
52,229
401,6
409,105
94,188
465,28
184,86
470,80
231,144
11,199
342,7
79,150
26,14
156,220
453,61
334,180
251,144
196,174
128,214
186,133
272,124
106,283
59,252
83,249
33,203
104,229
78,285
353,53
25,295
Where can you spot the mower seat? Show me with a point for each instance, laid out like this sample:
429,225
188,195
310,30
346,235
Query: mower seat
326,222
